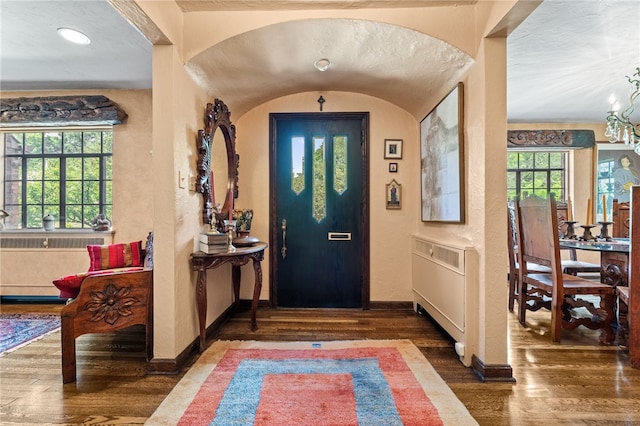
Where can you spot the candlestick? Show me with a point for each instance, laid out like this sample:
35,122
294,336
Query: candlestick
604,231
604,208
230,204
569,210
588,220
587,236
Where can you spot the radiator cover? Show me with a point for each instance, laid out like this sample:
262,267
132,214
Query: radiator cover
445,281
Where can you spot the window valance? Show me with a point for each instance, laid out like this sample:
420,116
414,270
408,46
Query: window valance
545,139
93,110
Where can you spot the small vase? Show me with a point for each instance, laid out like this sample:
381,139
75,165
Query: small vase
48,222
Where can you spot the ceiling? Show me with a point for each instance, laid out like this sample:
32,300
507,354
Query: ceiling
563,61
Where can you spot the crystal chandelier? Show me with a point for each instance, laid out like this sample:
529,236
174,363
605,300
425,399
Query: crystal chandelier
620,123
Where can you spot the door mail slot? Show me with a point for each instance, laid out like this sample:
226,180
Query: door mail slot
339,236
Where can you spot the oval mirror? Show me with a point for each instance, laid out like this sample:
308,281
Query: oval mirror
217,162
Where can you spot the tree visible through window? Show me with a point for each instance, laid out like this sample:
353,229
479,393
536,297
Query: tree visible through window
67,174
536,173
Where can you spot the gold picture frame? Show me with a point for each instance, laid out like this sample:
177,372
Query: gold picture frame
393,195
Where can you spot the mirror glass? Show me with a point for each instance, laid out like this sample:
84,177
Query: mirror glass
216,145
220,169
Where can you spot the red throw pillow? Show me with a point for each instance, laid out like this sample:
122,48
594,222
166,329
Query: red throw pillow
69,286
115,255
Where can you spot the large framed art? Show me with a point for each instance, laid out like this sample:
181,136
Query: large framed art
442,160
617,169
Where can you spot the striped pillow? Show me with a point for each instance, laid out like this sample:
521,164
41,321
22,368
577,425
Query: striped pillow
115,255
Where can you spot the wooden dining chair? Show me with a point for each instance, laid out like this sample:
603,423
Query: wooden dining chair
569,266
514,266
538,242
620,217
629,296
572,265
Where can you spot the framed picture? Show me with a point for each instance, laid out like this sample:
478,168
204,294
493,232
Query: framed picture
394,195
393,167
617,169
393,148
442,160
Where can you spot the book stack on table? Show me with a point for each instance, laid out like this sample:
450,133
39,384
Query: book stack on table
213,243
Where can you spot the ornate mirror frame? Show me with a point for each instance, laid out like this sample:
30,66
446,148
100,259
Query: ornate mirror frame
216,116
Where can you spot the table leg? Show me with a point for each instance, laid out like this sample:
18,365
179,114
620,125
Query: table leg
257,287
235,280
201,300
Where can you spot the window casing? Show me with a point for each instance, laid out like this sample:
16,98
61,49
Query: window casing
538,173
65,173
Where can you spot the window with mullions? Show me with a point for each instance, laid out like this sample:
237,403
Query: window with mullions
536,173
64,173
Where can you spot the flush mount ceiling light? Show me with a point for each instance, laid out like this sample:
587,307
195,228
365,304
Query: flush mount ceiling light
322,64
74,36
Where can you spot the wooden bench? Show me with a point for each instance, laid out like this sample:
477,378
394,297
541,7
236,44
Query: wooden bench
109,302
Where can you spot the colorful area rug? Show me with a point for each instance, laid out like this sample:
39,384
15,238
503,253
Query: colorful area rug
18,330
370,382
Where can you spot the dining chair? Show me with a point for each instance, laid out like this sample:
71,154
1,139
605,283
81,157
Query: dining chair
629,296
572,265
514,266
538,242
620,218
569,266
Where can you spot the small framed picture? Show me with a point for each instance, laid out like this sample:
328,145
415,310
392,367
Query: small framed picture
393,167
393,148
394,195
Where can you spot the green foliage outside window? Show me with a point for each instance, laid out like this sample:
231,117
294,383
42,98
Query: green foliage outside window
66,174
536,173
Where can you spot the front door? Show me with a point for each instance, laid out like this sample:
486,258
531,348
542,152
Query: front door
319,210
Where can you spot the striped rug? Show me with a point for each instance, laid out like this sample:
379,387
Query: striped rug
370,382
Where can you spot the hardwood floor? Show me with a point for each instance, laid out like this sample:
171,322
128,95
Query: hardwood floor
575,382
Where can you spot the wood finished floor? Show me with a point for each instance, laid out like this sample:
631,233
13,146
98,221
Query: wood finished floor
573,383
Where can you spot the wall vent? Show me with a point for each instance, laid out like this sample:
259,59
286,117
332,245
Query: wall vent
49,243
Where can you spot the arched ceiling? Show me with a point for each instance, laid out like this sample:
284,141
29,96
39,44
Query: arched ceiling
402,66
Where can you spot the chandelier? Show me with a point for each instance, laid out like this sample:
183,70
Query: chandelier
620,123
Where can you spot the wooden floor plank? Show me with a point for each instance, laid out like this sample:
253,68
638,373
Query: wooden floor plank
575,382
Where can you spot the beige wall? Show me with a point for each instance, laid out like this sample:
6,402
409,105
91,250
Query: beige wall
390,229
132,197
176,111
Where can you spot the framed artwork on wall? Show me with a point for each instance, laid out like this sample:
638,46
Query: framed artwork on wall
394,195
617,169
393,148
393,167
442,160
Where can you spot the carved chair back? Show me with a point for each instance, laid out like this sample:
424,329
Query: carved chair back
620,219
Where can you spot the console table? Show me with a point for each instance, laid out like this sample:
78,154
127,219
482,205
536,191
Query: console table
201,261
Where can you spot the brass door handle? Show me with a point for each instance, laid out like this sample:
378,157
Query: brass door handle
283,250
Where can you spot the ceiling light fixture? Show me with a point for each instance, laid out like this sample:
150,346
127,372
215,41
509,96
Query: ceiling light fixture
74,36
621,123
322,64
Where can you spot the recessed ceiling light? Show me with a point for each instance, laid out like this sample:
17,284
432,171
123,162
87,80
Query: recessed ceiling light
74,36
322,64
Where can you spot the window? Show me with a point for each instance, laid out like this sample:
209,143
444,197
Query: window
536,173
64,173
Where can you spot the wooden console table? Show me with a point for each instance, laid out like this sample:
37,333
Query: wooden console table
201,261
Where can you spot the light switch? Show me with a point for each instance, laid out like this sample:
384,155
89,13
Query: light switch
181,180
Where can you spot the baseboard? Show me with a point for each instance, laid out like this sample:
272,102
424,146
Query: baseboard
32,299
493,372
175,365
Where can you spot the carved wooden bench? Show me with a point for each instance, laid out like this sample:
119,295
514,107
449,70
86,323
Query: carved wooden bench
109,301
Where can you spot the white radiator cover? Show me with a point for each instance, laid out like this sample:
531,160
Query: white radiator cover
445,280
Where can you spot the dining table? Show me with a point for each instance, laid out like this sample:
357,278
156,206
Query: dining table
614,257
